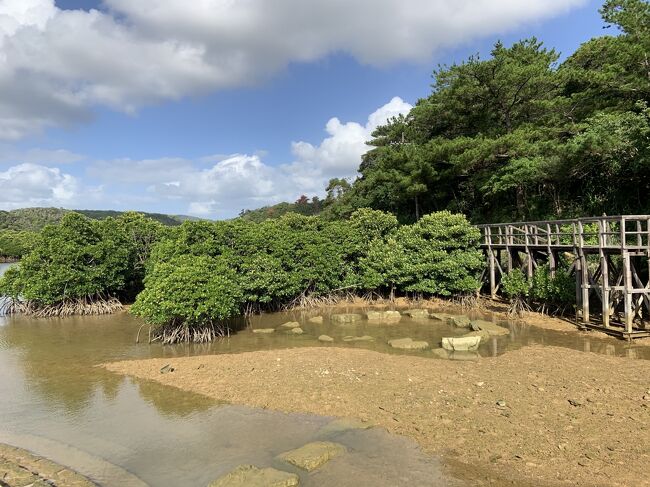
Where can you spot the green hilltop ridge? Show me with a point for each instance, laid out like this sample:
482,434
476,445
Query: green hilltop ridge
34,219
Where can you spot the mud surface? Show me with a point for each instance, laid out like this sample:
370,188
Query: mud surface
535,416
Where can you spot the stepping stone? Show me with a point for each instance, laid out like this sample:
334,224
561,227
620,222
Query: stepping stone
460,321
290,324
251,476
325,338
408,344
416,313
313,455
383,315
345,318
364,338
344,424
264,330
465,343
487,326
297,331
484,335
316,319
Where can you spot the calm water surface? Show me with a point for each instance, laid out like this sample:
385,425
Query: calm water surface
57,403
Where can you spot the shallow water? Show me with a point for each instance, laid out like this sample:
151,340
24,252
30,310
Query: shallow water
118,431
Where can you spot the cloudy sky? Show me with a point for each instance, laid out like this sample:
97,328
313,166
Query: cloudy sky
207,107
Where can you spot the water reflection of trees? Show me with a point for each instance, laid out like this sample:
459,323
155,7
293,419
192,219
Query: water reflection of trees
173,402
59,358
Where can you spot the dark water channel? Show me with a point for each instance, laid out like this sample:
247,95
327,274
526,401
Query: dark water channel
56,402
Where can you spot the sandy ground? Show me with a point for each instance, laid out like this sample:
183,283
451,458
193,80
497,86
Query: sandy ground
536,416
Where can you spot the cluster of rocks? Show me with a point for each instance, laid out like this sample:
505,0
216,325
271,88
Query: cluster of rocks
308,458
478,331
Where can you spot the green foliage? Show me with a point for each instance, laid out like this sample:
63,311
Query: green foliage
34,219
514,285
275,262
558,291
81,258
438,255
302,206
189,290
15,244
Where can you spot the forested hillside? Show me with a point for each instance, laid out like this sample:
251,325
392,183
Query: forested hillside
34,219
520,136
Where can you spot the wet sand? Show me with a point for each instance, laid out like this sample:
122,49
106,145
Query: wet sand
534,416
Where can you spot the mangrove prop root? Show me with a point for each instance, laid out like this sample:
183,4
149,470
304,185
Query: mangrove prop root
171,334
94,305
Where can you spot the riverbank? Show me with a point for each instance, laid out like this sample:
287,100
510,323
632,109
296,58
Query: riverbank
20,468
538,416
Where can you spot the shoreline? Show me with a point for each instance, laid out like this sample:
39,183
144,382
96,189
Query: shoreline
540,415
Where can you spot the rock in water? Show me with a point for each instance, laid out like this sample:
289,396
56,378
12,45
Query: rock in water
487,326
417,313
290,324
383,315
325,338
343,424
251,476
462,344
408,344
440,317
264,330
364,338
313,455
316,319
460,321
297,331
345,318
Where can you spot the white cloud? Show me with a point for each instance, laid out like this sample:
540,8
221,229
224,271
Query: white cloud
56,65
35,185
238,181
338,155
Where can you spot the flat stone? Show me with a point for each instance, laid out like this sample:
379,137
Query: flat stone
464,343
251,476
297,331
440,316
290,324
316,319
487,326
364,338
345,318
384,315
344,424
325,338
416,313
485,336
313,455
460,321
408,344
264,330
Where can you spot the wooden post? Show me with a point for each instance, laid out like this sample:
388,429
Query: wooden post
627,280
584,271
604,269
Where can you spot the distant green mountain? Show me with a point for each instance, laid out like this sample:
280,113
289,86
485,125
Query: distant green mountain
33,219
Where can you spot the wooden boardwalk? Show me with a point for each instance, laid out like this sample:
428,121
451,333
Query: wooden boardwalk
609,256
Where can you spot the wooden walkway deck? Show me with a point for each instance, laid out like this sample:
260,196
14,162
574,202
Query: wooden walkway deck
609,256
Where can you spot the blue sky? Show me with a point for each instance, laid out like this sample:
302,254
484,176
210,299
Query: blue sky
207,108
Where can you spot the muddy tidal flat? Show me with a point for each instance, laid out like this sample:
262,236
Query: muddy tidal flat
534,416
